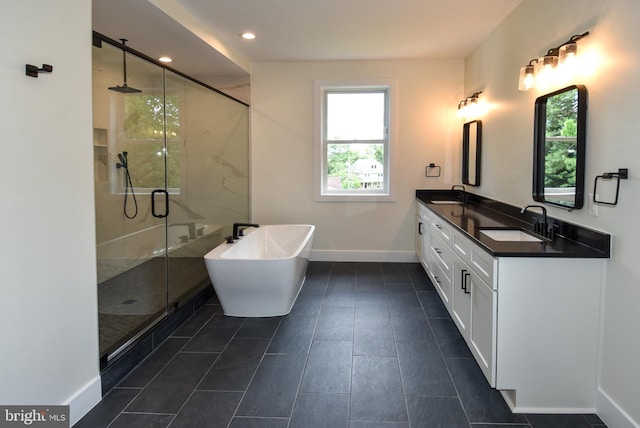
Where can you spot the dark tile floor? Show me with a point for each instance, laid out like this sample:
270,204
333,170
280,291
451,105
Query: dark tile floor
367,345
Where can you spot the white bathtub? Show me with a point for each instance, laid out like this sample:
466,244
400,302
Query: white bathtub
261,274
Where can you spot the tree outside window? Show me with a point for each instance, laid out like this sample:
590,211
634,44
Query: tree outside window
148,119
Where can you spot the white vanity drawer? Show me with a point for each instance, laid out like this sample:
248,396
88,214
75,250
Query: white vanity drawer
442,284
441,228
482,263
441,254
422,211
461,246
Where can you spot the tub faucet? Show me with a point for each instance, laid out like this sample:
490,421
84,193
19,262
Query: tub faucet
237,231
539,228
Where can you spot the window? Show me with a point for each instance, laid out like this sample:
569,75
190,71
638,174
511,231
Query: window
353,141
146,119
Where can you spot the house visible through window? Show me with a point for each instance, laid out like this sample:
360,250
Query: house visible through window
354,144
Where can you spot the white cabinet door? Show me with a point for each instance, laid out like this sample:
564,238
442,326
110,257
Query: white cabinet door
420,226
423,232
482,333
461,297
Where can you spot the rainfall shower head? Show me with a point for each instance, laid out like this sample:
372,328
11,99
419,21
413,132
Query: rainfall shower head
124,89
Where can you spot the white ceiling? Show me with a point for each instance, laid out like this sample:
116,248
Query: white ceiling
297,30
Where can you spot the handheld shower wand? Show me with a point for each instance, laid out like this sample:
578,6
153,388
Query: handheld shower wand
123,160
128,184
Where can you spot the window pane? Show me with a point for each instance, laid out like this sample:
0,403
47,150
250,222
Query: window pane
355,116
146,164
146,118
147,115
355,166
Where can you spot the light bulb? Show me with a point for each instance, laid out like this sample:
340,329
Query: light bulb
527,78
545,71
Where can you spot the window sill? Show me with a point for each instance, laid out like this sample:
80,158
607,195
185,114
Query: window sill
355,198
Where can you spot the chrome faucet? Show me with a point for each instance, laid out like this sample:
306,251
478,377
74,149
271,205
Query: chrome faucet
539,228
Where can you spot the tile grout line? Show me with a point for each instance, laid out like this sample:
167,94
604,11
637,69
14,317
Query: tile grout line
315,327
123,411
455,387
195,388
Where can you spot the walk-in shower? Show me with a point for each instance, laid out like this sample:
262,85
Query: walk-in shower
175,153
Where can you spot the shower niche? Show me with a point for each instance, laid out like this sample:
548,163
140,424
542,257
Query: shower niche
171,176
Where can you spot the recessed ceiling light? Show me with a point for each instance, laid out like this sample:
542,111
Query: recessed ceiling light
165,59
248,36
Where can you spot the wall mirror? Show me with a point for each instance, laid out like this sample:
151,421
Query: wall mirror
471,143
559,147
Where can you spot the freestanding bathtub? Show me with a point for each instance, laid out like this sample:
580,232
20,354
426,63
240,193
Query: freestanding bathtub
261,274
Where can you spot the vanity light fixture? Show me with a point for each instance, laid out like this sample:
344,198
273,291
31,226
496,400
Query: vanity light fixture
558,63
470,106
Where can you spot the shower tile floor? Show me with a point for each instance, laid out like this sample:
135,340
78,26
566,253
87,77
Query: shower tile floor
367,345
133,299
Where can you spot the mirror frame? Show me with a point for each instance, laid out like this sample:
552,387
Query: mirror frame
539,136
466,152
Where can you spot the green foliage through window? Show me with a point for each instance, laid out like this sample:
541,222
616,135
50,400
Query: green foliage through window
561,140
147,119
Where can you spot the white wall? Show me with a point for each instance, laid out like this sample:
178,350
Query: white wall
612,143
48,320
282,152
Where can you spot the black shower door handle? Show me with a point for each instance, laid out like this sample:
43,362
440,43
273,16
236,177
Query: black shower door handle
166,203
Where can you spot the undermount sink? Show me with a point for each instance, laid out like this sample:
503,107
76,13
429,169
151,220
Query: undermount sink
446,202
510,235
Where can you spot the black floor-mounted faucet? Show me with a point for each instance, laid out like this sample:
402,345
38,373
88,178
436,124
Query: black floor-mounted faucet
237,231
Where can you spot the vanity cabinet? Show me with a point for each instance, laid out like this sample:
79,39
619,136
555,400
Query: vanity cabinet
423,219
531,323
474,302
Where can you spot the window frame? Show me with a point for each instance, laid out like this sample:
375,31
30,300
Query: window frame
321,89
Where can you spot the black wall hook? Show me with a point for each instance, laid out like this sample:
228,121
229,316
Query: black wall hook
32,70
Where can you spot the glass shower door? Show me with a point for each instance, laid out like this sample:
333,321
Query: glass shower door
208,179
129,146
171,160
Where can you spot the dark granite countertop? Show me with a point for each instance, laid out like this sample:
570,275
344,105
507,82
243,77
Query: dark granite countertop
571,241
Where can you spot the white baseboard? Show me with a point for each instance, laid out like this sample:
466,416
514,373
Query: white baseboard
611,413
84,400
363,256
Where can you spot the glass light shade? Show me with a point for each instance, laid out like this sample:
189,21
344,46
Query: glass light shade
546,62
568,52
545,70
527,78
462,107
